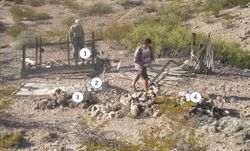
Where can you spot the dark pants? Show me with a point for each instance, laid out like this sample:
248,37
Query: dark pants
78,45
143,73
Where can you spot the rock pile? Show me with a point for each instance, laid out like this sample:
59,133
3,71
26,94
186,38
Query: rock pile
63,99
136,105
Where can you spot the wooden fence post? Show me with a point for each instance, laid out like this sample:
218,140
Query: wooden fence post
40,52
93,48
23,60
36,51
68,51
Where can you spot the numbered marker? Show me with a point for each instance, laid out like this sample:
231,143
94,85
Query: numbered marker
196,97
96,83
85,53
77,97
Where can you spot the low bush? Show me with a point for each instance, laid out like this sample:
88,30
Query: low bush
35,3
54,2
15,30
21,12
215,6
71,4
115,31
54,35
98,8
6,96
228,23
231,53
10,140
68,21
26,38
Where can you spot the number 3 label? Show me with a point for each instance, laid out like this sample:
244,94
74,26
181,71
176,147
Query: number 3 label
96,83
85,53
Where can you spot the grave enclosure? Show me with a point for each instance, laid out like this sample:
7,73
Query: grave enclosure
57,58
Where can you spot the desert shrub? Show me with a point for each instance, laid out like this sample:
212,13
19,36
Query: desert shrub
26,38
228,23
55,2
231,53
10,140
115,31
35,3
215,6
164,29
68,21
20,13
96,9
123,3
54,35
71,4
16,29
6,96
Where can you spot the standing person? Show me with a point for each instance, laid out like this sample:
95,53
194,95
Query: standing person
143,58
77,37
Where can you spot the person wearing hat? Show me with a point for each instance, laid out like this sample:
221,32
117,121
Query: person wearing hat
76,34
143,58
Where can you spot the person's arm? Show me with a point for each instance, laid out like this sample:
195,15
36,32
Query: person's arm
70,34
137,57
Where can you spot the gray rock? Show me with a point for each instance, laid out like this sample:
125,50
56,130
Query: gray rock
134,110
3,46
96,112
126,100
229,125
41,104
137,95
247,135
112,114
157,113
144,97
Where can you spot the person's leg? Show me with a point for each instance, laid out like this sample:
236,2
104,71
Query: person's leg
145,77
137,78
146,85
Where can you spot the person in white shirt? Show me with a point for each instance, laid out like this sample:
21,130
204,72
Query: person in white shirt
143,58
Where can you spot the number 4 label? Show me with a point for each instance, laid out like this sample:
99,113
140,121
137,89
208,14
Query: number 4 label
196,97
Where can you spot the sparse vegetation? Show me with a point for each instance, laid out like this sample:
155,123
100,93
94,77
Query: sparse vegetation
115,31
172,108
35,3
215,6
6,96
54,35
98,8
123,3
21,12
71,4
228,23
167,22
10,140
231,53
68,21
16,29
26,38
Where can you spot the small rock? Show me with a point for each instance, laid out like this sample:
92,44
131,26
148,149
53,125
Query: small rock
157,113
3,46
112,114
143,98
126,100
134,110
137,95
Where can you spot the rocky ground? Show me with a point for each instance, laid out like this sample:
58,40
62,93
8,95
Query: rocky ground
116,115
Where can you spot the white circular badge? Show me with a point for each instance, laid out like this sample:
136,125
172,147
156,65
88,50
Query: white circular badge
77,97
96,83
195,97
85,53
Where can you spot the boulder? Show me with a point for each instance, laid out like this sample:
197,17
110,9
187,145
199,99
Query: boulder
125,100
144,97
134,110
137,95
